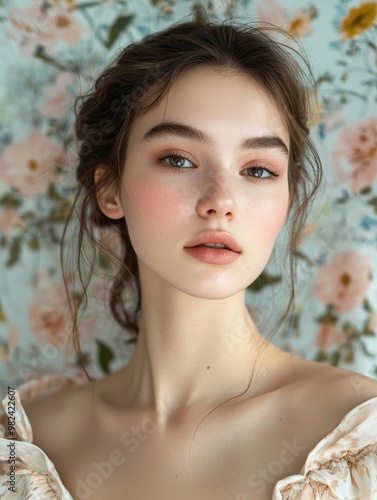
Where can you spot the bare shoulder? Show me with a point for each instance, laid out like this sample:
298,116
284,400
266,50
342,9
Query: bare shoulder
56,417
346,383
314,399
311,381
332,391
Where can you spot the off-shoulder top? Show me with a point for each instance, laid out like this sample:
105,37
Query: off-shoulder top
343,465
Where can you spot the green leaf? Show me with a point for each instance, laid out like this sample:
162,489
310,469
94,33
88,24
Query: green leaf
329,315
33,243
41,54
313,11
263,280
366,190
10,200
365,350
349,357
52,193
334,358
83,360
105,356
373,202
54,238
14,252
119,25
321,356
294,321
103,261
366,306
86,5
325,78
369,333
301,255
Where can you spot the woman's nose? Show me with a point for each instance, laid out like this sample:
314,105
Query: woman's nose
217,198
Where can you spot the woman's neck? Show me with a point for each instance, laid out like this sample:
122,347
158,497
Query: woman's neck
191,351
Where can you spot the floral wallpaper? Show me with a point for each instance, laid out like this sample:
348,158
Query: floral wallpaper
52,51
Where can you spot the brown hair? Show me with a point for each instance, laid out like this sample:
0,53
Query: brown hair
135,81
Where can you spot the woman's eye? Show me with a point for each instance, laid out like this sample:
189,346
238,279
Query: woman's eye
261,172
176,161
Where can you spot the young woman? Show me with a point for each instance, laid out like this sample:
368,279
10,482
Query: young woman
204,156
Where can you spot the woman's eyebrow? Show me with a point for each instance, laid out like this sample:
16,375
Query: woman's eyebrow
265,142
188,132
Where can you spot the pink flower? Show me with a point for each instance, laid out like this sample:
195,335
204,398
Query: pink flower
344,280
49,315
29,164
270,11
355,156
48,312
57,98
9,220
44,26
328,335
297,24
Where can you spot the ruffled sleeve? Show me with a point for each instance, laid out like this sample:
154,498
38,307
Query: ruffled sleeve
343,465
26,471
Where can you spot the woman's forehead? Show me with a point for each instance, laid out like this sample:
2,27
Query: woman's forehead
220,101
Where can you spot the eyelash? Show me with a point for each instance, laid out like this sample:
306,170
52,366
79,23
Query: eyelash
178,170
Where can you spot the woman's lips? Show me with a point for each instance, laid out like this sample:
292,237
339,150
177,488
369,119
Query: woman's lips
210,255
220,237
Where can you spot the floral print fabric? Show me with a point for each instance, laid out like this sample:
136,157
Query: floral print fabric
36,476
343,465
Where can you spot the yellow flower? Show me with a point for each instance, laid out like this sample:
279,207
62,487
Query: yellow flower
359,19
300,24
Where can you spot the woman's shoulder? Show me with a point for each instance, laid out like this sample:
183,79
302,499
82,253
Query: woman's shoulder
53,406
334,384
314,386
322,394
337,412
43,399
34,473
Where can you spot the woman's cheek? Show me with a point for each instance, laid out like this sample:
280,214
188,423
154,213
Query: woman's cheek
156,204
271,215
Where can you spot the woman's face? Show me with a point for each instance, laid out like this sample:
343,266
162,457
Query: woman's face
235,180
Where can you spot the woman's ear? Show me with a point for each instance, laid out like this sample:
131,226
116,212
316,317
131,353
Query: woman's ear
108,200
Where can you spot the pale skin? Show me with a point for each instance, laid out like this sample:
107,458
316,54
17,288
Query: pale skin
197,343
